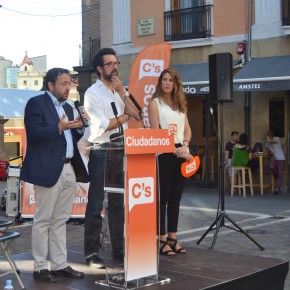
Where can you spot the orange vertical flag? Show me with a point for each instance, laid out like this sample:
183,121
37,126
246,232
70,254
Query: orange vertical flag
145,71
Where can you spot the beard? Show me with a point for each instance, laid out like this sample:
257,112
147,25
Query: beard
108,77
61,97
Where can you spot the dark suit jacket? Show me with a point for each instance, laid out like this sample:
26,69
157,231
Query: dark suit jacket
46,147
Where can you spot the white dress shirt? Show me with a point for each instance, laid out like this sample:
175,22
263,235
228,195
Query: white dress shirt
67,133
97,103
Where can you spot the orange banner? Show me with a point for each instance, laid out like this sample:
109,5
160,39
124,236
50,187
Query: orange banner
145,71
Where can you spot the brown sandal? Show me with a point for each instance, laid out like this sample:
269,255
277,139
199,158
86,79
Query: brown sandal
181,250
168,252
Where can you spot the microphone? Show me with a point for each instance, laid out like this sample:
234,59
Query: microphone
114,108
138,108
78,107
136,104
115,136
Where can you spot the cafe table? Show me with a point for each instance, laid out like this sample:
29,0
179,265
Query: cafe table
262,156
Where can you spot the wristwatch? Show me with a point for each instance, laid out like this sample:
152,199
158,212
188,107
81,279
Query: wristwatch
125,96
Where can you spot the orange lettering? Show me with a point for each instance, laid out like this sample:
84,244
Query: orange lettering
136,190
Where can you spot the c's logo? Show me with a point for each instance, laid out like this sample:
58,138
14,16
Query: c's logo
31,199
141,191
172,129
150,68
188,168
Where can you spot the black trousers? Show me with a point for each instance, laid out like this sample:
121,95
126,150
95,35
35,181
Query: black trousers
100,165
171,183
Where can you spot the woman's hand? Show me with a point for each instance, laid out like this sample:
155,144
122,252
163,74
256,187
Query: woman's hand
183,152
187,156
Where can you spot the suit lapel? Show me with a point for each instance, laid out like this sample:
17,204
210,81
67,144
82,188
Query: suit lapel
68,112
51,107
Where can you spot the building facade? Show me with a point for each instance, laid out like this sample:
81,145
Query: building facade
11,77
28,77
197,29
4,64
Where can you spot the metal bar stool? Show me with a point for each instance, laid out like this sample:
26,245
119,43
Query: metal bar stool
241,171
6,239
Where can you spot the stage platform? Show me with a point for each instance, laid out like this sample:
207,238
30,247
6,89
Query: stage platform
196,270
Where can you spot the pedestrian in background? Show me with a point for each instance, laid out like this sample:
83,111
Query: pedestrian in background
242,154
277,162
229,151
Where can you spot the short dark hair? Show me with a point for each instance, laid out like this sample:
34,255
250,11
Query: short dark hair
52,75
234,133
98,59
270,133
243,139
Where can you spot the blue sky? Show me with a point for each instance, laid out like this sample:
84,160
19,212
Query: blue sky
57,37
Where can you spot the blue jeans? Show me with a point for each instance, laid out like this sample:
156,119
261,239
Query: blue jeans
99,163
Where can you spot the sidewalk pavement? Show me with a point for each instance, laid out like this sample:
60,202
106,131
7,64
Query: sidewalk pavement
265,218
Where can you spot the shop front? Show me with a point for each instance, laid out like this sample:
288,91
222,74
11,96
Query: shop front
260,102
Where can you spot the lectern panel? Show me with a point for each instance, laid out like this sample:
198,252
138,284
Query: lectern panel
114,175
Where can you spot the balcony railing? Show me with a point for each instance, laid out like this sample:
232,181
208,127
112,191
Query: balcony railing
188,23
285,12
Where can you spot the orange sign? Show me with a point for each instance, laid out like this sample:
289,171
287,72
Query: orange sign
144,74
141,217
188,168
142,141
141,146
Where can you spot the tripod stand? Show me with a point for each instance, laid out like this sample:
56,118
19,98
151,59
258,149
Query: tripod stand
221,213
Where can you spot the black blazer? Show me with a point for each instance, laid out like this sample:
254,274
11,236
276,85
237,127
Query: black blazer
46,147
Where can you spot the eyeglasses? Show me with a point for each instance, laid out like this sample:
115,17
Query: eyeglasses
112,63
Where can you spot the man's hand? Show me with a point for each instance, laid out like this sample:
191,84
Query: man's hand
65,125
85,114
117,85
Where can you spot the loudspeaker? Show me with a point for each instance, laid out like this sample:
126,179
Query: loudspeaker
221,77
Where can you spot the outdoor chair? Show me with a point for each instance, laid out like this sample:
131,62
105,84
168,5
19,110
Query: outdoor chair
6,239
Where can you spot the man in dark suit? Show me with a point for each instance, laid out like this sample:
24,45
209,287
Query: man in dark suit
52,164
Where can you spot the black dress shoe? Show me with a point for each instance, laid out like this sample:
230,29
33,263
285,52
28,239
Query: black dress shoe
95,261
68,272
44,275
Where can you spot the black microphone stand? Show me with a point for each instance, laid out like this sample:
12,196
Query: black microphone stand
141,118
221,213
140,112
115,136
